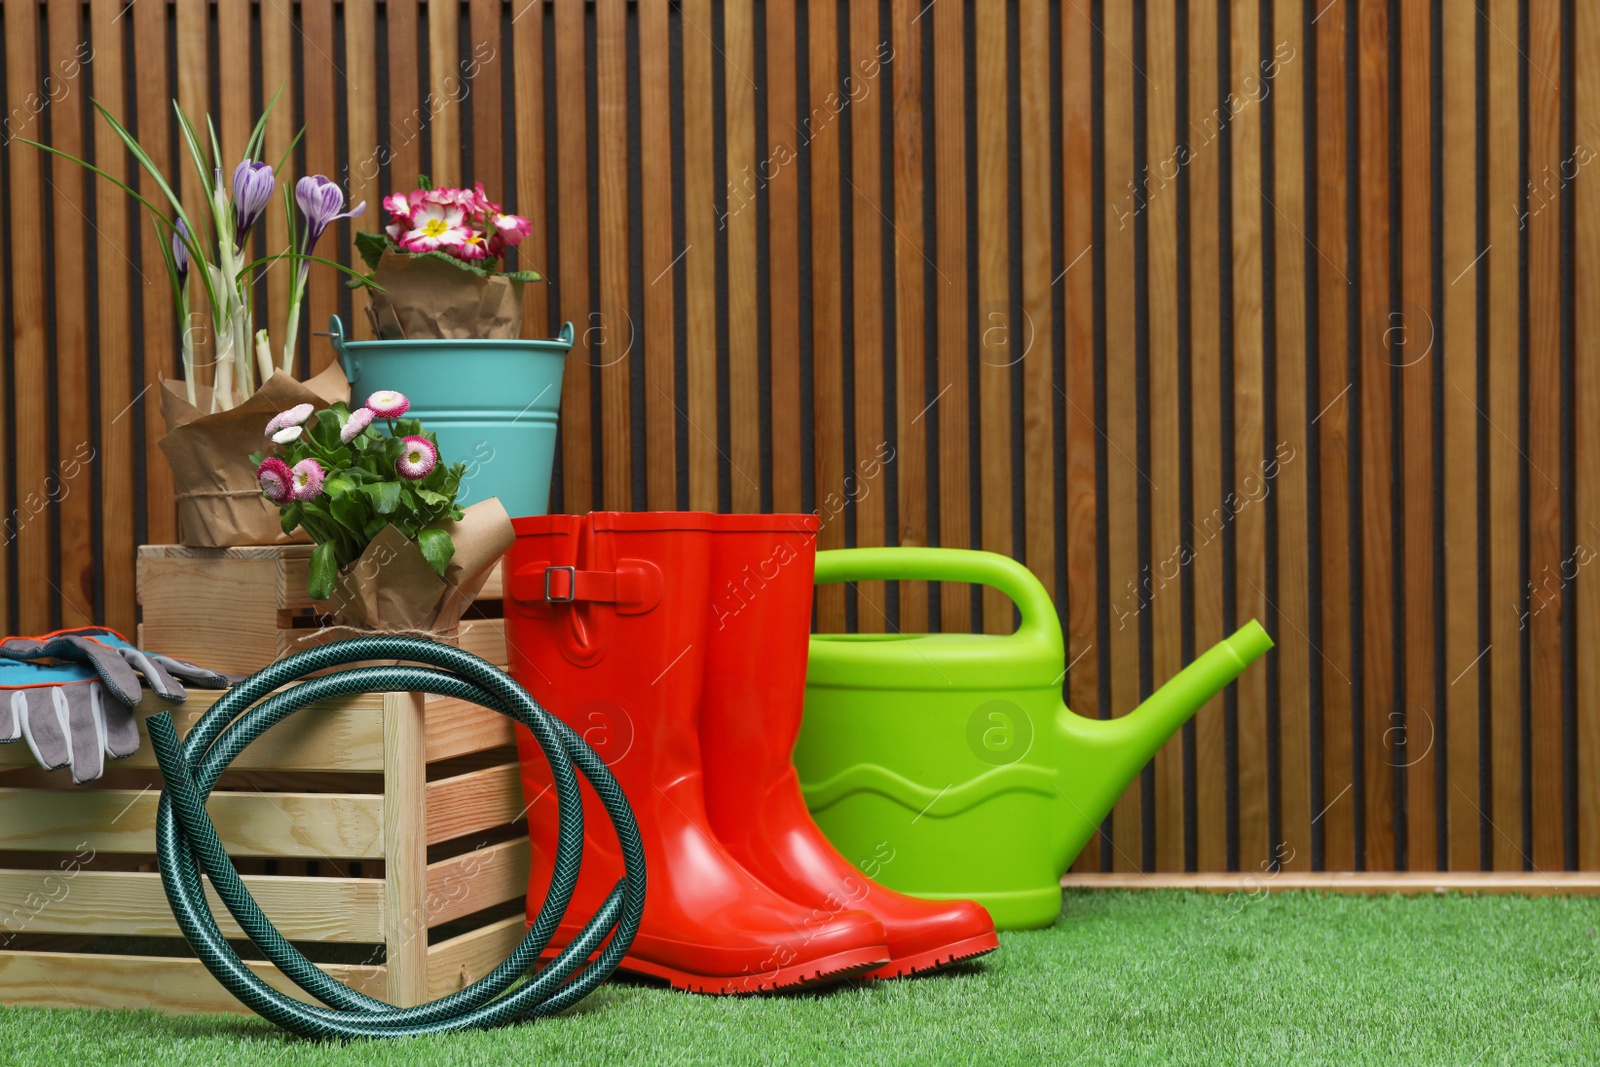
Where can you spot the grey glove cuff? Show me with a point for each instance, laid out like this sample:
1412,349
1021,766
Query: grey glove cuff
74,726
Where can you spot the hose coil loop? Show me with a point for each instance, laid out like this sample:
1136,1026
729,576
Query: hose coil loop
187,843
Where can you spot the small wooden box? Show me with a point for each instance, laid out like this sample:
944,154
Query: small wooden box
399,811
238,609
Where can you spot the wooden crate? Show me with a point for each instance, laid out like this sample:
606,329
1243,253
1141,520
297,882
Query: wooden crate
365,788
239,609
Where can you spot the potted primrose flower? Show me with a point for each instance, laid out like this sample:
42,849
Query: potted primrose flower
448,315
210,267
395,551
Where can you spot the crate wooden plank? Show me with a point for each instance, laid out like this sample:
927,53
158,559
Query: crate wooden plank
133,904
456,728
311,825
405,866
134,983
476,880
462,960
340,735
478,800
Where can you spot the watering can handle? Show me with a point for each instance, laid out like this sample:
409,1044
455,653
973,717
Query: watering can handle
351,365
1039,620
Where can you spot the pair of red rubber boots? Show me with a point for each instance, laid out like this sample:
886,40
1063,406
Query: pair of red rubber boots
675,644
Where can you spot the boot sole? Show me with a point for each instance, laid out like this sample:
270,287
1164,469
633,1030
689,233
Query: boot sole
936,959
813,973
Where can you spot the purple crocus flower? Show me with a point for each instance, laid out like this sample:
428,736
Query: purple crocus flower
253,185
180,252
320,201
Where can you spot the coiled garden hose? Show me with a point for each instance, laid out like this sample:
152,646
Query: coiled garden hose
187,843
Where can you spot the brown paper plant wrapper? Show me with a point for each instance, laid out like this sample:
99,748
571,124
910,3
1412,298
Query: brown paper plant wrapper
391,589
426,298
219,499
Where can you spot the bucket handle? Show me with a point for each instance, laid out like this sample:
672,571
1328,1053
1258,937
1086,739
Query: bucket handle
567,335
1039,619
347,360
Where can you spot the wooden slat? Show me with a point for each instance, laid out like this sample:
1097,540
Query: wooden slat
1249,489
403,138
659,257
1034,337
1205,449
235,117
485,65
999,338
1290,451
460,961
1377,544
1538,884
1336,806
781,173
1159,590
445,91
950,240
117,276
477,800
405,898
1082,438
1548,572
456,728
70,485
823,131
361,116
133,904
312,825
744,381
320,72
699,254
1412,344
1586,224
140,983
277,76
342,735
1504,660
1121,493
868,232
577,445
613,348
1459,349
911,267
472,881
527,29
29,528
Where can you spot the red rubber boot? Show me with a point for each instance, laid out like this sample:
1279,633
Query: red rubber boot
762,568
605,625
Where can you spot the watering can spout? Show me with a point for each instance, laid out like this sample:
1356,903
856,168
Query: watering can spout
1108,753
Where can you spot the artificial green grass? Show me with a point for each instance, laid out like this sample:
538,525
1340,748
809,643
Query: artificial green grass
1145,977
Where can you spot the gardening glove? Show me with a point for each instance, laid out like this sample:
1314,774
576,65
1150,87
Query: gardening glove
117,662
66,716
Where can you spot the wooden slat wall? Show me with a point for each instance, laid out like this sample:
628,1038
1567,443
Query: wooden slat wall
1205,309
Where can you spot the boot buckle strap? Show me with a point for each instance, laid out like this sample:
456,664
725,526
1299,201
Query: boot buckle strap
634,587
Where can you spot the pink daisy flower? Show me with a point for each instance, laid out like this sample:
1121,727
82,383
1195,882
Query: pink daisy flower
418,459
287,434
276,480
307,478
358,421
295,416
388,404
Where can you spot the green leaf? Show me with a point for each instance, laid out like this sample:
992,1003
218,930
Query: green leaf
324,570
428,496
372,246
424,183
290,519
385,496
437,548
523,275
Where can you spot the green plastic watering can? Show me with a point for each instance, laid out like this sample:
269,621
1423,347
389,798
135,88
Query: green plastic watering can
950,762
493,403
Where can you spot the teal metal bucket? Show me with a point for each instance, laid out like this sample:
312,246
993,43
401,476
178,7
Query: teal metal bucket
493,404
